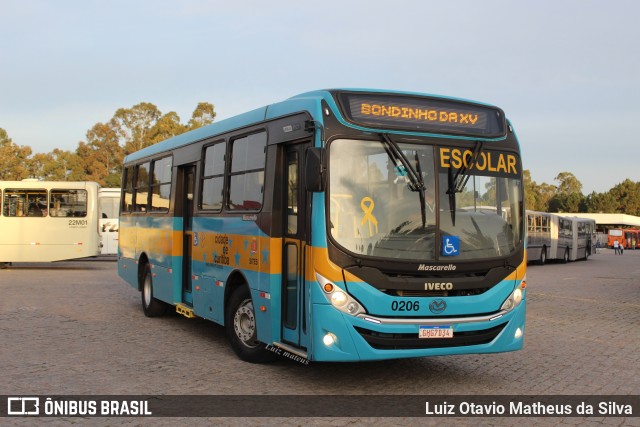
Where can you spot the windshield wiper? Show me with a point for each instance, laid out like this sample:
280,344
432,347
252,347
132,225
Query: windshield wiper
462,172
416,183
451,191
395,153
423,203
457,183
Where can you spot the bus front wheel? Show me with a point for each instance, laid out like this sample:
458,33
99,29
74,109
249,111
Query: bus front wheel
151,306
240,324
565,258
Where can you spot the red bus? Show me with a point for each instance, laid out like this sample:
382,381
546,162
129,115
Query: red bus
629,238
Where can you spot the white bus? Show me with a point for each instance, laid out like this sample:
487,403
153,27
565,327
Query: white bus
108,213
583,235
539,242
553,236
45,221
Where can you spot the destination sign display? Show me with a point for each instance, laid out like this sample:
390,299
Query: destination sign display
423,114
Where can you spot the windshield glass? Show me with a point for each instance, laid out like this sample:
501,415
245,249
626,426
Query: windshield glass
375,209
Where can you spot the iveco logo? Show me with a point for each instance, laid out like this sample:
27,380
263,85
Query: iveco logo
438,286
437,306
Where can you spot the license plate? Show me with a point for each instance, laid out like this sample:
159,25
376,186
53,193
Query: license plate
435,332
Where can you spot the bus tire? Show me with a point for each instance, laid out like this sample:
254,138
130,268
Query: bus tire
543,256
151,306
240,324
565,257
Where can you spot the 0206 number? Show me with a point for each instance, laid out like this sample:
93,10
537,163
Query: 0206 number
405,305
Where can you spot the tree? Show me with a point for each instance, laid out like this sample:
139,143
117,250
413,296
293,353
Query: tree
69,165
143,124
568,197
133,125
203,115
14,159
101,156
568,183
37,165
538,197
58,165
626,197
546,192
530,191
563,202
166,127
599,203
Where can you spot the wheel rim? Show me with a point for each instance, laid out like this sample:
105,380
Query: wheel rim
147,291
543,256
244,324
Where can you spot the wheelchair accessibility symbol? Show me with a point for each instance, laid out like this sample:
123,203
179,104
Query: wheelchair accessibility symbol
450,245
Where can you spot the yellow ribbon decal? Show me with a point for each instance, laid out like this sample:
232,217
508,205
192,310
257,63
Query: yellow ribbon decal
368,213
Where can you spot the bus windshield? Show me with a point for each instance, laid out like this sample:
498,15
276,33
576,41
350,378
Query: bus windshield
376,210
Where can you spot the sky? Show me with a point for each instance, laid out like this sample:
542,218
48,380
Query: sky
566,72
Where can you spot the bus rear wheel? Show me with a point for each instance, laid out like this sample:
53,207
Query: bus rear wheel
151,306
240,324
565,258
543,256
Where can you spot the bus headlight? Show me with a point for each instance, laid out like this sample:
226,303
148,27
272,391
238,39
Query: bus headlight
513,301
339,298
329,339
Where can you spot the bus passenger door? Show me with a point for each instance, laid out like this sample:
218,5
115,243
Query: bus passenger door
294,292
187,189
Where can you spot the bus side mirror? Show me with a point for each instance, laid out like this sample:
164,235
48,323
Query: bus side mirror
314,169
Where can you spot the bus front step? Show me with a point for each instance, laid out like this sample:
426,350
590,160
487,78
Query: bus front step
291,349
185,311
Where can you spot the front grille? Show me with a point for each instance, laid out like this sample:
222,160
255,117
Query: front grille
419,293
433,294
385,341
440,275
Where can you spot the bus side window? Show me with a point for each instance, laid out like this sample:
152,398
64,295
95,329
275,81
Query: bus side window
13,203
246,183
161,184
292,193
25,202
141,196
212,181
67,203
127,200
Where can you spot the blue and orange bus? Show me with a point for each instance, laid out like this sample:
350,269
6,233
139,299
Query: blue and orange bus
337,225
